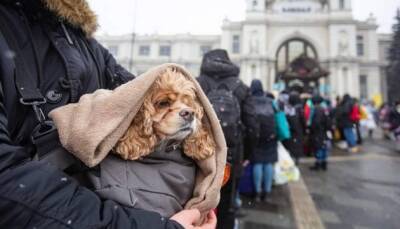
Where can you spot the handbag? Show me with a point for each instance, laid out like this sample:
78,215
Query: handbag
282,124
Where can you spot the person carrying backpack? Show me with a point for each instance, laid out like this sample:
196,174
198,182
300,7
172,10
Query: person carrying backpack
345,122
265,152
49,58
355,117
320,125
295,116
219,79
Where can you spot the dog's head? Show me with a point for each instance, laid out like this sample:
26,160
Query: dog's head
171,111
177,113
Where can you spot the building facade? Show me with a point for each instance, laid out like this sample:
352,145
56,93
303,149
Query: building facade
272,35
139,53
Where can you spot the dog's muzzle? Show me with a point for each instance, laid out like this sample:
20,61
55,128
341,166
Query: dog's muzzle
187,115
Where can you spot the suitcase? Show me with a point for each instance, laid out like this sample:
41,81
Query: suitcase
246,186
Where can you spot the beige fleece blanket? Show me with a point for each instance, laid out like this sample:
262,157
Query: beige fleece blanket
90,128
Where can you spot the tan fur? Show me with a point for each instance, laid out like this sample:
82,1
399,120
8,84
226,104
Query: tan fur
143,135
75,12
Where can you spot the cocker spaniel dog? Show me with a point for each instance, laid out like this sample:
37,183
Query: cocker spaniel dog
170,114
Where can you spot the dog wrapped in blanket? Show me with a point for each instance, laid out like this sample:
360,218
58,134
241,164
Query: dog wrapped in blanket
156,140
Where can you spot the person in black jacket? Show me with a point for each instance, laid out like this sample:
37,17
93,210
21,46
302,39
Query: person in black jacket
295,115
320,125
265,152
394,120
217,69
344,122
48,58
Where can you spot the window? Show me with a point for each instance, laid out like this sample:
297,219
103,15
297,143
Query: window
345,80
236,44
144,50
292,49
254,4
387,53
113,49
341,4
360,45
253,71
363,86
165,50
296,48
204,49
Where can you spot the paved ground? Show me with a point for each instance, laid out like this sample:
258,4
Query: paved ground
276,213
359,191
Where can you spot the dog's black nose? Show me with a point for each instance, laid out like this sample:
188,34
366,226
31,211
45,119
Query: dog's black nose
187,114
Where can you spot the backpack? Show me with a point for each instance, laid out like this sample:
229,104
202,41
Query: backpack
355,114
227,107
265,113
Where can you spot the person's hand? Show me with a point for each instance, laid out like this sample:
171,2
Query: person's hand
245,163
211,222
188,218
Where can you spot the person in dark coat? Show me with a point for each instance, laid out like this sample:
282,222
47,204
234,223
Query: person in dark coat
295,116
217,68
265,152
320,125
357,120
394,120
48,58
343,116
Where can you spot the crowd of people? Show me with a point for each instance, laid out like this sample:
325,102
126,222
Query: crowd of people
48,47
254,121
388,117
356,120
313,124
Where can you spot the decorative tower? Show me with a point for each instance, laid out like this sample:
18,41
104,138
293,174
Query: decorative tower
255,5
340,5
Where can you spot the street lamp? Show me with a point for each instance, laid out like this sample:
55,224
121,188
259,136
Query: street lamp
132,42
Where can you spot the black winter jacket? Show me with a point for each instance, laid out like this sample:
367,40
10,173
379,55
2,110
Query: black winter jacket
217,66
343,112
320,125
394,118
295,145
66,64
266,148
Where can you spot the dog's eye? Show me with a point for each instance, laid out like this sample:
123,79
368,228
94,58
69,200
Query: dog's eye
163,103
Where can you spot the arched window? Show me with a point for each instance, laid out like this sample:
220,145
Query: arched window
341,4
292,49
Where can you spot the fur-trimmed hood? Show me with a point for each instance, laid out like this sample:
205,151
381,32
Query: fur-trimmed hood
76,12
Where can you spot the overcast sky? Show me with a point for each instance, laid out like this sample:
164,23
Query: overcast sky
203,16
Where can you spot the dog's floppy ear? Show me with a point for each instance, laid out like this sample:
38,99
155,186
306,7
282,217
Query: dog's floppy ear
200,144
139,140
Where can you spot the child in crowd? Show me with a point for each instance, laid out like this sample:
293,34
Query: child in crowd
319,128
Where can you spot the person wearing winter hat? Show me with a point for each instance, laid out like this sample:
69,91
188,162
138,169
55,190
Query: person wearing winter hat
320,125
49,58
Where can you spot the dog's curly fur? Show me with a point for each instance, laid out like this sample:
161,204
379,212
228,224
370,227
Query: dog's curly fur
154,123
